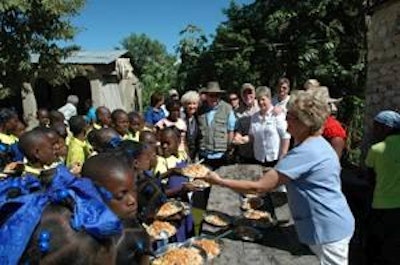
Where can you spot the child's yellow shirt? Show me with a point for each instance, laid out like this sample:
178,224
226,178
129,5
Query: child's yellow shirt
77,152
164,164
7,139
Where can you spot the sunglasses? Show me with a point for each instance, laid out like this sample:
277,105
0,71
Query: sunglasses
232,99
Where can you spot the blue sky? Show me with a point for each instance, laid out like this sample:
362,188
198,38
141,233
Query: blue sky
104,23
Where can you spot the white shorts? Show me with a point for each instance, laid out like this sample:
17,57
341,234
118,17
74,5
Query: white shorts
335,253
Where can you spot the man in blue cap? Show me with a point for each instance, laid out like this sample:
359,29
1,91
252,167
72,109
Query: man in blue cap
383,162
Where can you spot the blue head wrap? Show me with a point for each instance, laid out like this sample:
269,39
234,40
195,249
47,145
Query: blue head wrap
89,212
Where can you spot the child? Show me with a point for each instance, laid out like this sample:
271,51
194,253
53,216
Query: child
61,148
43,117
113,172
18,130
78,149
58,220
136,124
120,122
104,139
8,122
176,185
174,120
103,117
56,116
39,150
150,193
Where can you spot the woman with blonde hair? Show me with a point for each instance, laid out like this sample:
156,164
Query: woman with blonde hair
311,172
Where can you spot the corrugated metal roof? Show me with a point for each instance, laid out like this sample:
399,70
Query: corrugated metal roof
89,57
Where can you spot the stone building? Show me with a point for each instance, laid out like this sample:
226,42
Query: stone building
105,77
383,74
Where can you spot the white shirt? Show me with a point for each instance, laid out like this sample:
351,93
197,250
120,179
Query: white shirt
68,110
267,132
282,103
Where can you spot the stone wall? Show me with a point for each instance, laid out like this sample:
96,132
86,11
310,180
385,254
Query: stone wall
383,74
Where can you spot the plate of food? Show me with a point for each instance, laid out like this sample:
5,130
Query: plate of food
199,183
212,247
158,228
217,219
190,255
169,208
195,171
258,215
251,203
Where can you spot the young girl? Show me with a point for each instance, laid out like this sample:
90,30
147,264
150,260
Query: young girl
150,193
56,220
174,120
113,172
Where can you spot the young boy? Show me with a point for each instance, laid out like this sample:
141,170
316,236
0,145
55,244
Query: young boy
78,149
176,186
39,150
43,117
120,122
103,117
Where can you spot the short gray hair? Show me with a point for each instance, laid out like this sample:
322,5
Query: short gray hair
263,91
190,96
73,99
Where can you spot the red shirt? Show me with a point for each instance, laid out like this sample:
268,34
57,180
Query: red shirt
333,128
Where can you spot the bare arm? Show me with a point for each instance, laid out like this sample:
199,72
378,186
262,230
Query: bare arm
267,182
284,147
338,144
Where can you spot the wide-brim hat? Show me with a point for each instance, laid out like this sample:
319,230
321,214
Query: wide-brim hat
323,91
213,87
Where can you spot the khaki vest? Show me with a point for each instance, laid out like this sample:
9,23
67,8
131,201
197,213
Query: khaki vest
215,135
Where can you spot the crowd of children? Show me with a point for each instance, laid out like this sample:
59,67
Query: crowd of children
125,171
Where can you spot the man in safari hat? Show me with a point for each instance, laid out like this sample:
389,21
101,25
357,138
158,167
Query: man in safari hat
217,123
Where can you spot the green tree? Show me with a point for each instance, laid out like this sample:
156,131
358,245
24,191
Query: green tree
35,27
300,39
196,66
156,68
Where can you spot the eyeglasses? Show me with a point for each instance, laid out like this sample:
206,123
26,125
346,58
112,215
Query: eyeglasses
232,99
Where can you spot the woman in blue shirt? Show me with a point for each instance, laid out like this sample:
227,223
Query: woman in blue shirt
154,112
311,172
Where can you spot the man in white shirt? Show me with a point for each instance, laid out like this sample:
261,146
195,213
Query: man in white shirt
69,109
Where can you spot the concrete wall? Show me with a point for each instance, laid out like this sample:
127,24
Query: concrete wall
383,74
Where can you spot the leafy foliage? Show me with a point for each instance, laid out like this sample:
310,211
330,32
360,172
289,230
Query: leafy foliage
35,27
300,39
155,67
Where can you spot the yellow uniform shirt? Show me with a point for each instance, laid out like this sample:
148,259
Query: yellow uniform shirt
77,152
163,164
7,139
